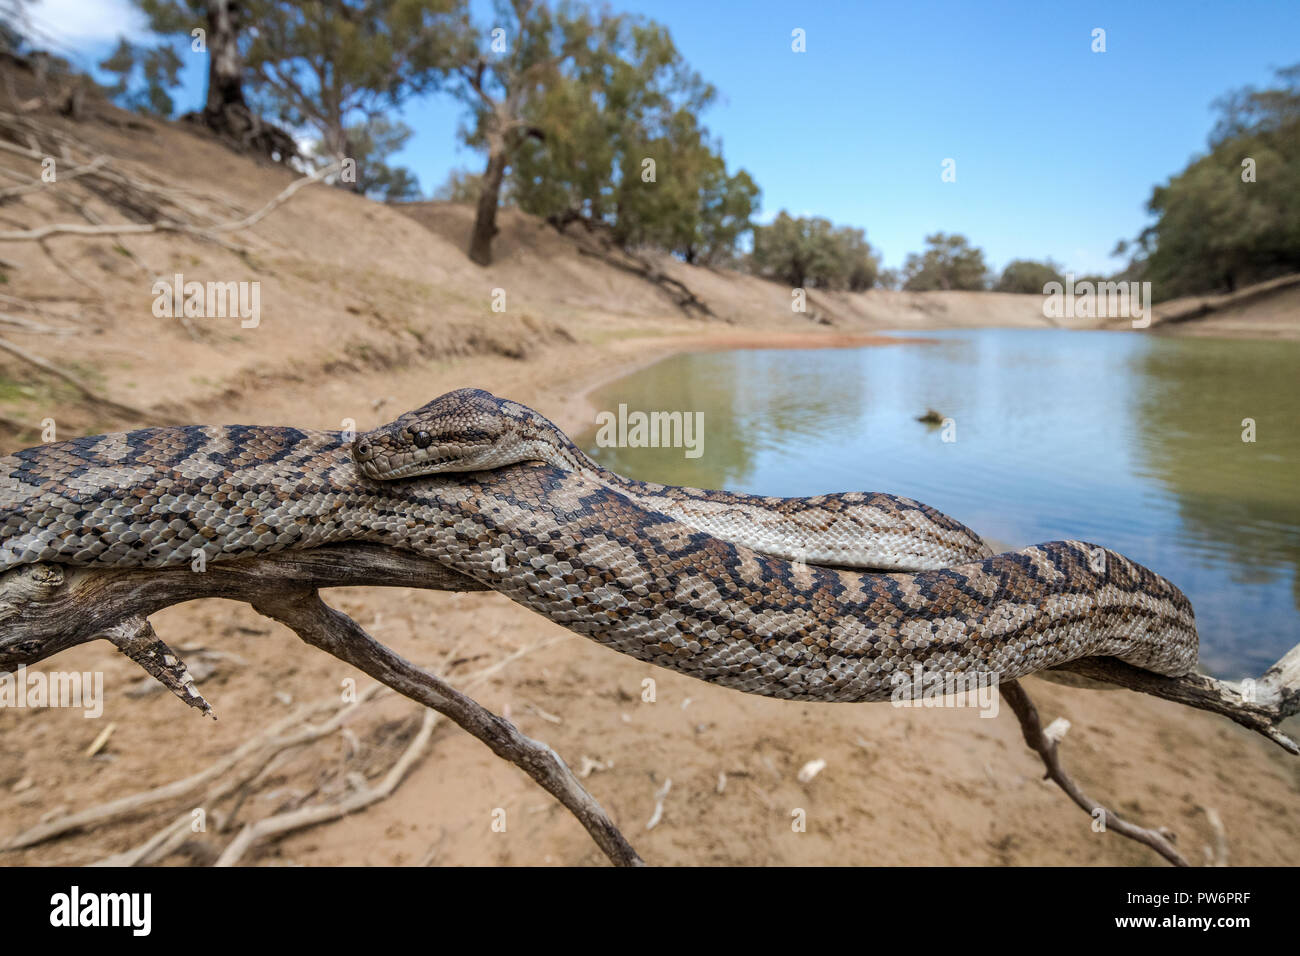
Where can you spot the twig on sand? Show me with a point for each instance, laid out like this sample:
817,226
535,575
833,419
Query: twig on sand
1047,747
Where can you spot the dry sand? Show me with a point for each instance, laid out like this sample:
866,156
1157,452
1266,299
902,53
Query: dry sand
368,312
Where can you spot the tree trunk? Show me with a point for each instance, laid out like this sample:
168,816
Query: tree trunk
226,112
485,221
338,145
225,67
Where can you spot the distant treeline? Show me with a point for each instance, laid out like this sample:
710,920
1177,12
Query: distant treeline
1232,217
584,115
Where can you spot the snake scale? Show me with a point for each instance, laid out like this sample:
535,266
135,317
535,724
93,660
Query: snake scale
765,595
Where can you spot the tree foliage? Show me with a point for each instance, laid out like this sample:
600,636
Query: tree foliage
143,77
335,64
889,279
616,140
502,72
146,73
678,195
332,67
1216,230
462,186
727,204
813,253
371,143
949,262
1028,277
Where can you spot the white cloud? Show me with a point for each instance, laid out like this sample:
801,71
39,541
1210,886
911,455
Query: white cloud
80,25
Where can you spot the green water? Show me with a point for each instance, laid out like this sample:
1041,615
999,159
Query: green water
1122,438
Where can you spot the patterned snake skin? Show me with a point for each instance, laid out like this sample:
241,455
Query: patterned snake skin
621,562
473,430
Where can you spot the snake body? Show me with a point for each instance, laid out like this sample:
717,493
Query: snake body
470,429
624,563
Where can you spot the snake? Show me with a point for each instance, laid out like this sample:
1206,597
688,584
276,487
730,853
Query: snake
834,598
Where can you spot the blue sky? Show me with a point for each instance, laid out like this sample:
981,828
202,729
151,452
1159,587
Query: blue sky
1056,147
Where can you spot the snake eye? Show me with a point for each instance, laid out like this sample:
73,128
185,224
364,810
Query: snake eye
423,439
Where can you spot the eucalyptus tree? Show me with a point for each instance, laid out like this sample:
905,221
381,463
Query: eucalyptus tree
948,262
1232,216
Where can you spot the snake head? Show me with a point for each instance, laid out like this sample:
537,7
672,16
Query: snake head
465,430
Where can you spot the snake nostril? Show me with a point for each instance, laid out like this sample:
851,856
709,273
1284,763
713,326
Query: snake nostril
363,450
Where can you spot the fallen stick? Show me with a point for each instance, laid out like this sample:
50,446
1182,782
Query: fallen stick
1047,747
168,225
320,813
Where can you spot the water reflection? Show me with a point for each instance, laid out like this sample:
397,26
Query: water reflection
754,403
1126,439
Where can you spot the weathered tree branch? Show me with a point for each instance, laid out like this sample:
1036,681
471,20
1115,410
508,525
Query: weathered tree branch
168,225
85,390
360,798
291,731
321,626
1046,746
239,769
45,609
38,185
1259,705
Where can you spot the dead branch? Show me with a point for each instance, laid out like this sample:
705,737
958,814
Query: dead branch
261,748
19,428
1047,746
232,774
45,609
138,195
48,608
169,225
271,745
64,176
315,622
33,328
603,247
154,206
1259,704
